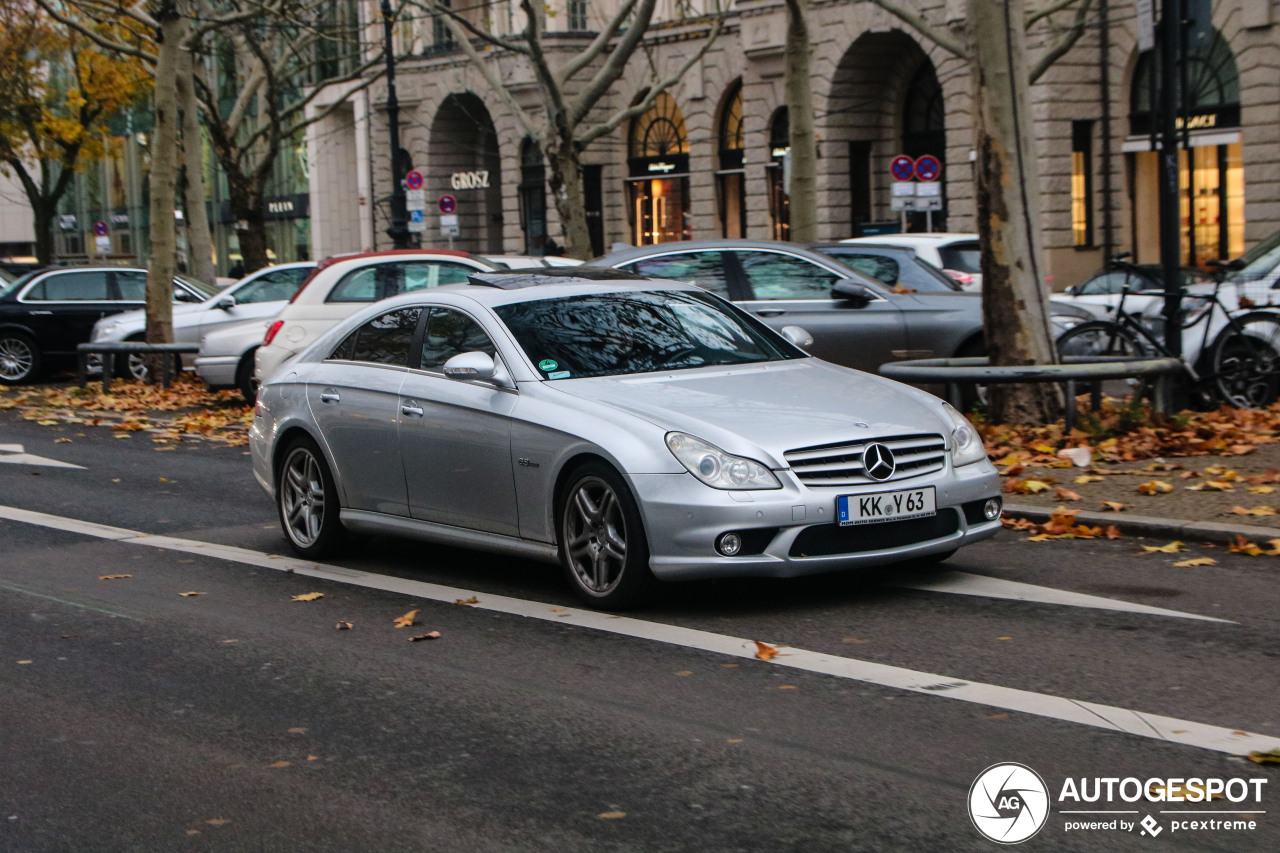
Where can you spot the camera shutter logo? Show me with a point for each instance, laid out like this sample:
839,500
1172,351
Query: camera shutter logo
878,462
1008,803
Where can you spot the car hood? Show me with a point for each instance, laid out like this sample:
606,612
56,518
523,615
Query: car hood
746,409
180,310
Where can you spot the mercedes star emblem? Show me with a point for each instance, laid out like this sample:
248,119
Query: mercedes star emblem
878,462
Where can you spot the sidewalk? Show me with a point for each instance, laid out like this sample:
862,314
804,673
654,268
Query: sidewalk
1189,498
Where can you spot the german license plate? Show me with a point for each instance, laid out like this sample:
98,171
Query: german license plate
886,506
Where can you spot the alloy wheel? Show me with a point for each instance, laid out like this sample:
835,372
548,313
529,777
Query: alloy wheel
595,535
17,358
302,501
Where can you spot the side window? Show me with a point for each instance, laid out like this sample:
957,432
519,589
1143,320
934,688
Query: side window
450,332
705,269
358,286
773,275
878,267
422,275
383,340
274,286
71,287
1103,284
132,285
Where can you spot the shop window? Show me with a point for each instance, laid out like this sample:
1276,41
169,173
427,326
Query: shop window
1082,183
658,160
779,153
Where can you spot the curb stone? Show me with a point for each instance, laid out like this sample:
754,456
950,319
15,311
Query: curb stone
1149,525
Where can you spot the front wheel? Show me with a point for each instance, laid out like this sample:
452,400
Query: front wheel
19,358
1245,362
307,500
603,548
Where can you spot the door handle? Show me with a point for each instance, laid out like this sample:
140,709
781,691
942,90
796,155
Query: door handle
411,410
771,312
329,397
41,313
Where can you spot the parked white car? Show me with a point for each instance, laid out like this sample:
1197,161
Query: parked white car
956,254
258,296
343,285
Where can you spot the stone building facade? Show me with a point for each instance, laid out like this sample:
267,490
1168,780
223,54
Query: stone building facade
708,161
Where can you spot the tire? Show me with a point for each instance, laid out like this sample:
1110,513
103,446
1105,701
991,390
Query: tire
19,358
244,378
603,548
1098,337
307,501
134,366
1245,363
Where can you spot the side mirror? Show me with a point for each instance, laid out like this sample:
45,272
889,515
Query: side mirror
798,335
470,365
853,291
226,303
1073,290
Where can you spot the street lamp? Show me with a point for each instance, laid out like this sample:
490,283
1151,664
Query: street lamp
399,230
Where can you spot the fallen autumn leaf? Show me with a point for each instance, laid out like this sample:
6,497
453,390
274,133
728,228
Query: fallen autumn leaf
310,596
406,620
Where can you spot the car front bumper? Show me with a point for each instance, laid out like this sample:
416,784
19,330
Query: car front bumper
792,531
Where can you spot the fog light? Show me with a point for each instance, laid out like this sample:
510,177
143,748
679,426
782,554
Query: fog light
991,509
729,544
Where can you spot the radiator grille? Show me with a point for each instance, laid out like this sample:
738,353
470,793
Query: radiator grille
841,464
824,540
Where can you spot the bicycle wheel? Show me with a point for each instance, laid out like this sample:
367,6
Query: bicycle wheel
1245,362
1098,337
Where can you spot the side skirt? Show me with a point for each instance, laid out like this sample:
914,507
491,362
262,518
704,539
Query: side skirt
363,521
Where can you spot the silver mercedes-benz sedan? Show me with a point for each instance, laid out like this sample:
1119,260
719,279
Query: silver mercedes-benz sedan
635,431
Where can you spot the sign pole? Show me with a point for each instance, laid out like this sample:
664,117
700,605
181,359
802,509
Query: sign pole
399,230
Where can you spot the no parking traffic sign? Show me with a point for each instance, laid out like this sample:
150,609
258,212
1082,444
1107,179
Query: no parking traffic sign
448,204
413,180
928,168
903,168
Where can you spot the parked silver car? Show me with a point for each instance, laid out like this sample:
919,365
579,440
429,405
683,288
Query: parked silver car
258,296
226,356
635,431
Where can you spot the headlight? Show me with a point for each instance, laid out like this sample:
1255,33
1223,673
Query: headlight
718,469
1065,321
966,446
103,331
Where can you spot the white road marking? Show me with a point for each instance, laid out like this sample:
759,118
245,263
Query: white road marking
1107,717
964,583
14,453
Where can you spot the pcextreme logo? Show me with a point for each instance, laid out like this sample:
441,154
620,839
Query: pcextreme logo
1009,803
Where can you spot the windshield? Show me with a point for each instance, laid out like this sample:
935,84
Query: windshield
200,287
638,332
1260,261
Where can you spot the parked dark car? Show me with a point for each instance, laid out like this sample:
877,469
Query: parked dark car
45,314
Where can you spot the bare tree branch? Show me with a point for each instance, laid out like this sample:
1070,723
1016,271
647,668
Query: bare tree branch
1063,43
938,35
597,46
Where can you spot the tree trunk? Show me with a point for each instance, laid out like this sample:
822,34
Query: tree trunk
802,194
564,179
246,200
42,214
1008,181
198,234
164,175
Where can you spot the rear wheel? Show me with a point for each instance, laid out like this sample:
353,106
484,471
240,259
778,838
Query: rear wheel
134,365
1245,363
1099,338
244,378
307,500
603,548
19,358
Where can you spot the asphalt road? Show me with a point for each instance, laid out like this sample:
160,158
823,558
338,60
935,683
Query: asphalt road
134,718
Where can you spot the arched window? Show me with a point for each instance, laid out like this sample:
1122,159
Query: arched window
658,149
730,176
1211,169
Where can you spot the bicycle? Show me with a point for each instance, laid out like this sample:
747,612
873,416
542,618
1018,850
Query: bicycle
1238,364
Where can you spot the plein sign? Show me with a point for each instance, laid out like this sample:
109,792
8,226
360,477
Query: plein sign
470,180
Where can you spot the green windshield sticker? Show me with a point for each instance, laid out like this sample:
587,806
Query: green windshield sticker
547,364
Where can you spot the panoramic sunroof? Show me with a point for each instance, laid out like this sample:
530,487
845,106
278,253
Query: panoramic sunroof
516,279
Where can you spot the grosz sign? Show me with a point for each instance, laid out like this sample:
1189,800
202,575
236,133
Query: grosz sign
470,180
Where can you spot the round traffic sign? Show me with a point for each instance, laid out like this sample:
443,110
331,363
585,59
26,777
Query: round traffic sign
928,168
448,204
100,228
413,180
902,167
